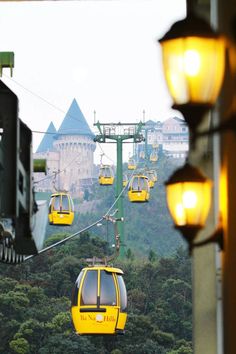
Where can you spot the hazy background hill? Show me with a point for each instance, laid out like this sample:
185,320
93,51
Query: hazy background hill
148,227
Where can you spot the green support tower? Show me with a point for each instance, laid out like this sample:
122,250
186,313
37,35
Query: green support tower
118,133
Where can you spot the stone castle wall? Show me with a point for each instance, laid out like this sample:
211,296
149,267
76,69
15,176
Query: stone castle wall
73,159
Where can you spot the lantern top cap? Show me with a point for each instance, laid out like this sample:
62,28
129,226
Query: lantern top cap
187,173
191,26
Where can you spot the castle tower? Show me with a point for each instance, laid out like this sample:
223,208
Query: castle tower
75,145
46,151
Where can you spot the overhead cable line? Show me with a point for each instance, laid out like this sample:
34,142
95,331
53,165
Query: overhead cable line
64,240
54,174
41,98
84,229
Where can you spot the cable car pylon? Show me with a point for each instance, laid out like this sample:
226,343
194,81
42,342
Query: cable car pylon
119,133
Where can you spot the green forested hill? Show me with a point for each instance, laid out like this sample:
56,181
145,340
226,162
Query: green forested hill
35,304
147,226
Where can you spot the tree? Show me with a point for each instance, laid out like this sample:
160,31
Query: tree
20,346
152,257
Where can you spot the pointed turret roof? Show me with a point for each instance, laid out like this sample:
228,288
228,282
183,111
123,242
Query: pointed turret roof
47,141
74,122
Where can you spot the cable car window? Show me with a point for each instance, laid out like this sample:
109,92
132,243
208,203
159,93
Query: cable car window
135,184
65,202
75,291
89,290
143,183
72,204
78,280
50,204
56,205
107,172
108,290
123,293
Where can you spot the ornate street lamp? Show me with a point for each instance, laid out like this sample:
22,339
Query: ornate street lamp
188,194
194,63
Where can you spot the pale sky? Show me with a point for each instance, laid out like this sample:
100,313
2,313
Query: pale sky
102,53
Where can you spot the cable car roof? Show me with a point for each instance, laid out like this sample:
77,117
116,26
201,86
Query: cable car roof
59,193
108,269
140,176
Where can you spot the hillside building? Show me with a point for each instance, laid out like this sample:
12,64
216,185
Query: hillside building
171,136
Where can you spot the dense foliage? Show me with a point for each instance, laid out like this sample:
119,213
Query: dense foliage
35,303
35,296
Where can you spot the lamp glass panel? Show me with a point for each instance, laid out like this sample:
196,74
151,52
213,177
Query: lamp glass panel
194,68
189,202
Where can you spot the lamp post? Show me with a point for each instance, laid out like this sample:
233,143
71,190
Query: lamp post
194,61
194,64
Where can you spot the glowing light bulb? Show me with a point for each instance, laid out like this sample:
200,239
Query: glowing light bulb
192,62
189,199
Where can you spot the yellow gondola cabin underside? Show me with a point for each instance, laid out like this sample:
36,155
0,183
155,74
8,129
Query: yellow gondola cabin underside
58,218
138,196
110,322
106,181
131,167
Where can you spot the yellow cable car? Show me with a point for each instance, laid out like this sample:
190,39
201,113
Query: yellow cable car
125,180
106,177
155,145
138,189
153,157
142,155
61,209
151,179
154,173
99,301
131,165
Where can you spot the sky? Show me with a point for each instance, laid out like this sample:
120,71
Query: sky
104,54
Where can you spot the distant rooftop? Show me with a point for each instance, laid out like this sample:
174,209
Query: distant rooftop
180,120
150,122
47,141
74,122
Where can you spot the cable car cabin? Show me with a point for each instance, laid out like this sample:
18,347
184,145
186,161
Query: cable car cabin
153,157
131,165
151,179
142,155
61,209
155,146
125,180
106,177
154,175
138,189
99,301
